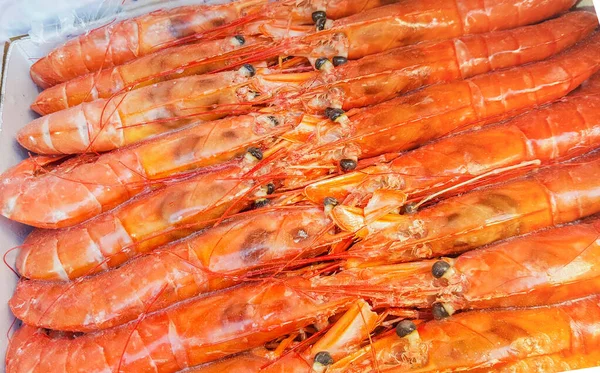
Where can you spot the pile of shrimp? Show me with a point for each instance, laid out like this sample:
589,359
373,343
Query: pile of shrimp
313,186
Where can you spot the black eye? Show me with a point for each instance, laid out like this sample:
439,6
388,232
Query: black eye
339,60
333,113
261,203
256,153
319,14
320,24
439,311
439,268
330,201
270,188
347,164
320,62
240,39
273,120
405,327
324,358
410,208
250,69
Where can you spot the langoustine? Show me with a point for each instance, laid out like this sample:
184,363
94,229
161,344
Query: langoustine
538,137
107,124
486,340
410,67
344,336
190,333
35,192
542,268
213,259
403,23
555,195
142,224
117,43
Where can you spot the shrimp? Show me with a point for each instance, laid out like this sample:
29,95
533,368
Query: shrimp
343,337
117,43
382,76
542,268
143,223
538,137
34,194
484,340
210,260
106,124
409,67
556,195
409,121
163,65
407,22
190,333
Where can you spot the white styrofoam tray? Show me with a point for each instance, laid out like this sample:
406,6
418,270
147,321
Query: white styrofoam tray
17,93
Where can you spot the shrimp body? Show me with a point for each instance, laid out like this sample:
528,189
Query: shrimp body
542,268
190,333
117,43
407,22
163,65
562,130
409,121
382,76
485,340
210,260
120,175
557,195
107,124
343,337
144,223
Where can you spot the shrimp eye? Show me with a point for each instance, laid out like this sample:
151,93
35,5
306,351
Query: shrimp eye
270,188
240,39
319,14
347,164
339,60
324,358
273,120
440,268
256,153
333,113
410,208
320,62
261,203
320,24
439,311
330,201
405,327
248,70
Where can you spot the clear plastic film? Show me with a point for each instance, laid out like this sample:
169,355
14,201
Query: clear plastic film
57,20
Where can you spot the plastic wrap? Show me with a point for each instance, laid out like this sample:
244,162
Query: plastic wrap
54,21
